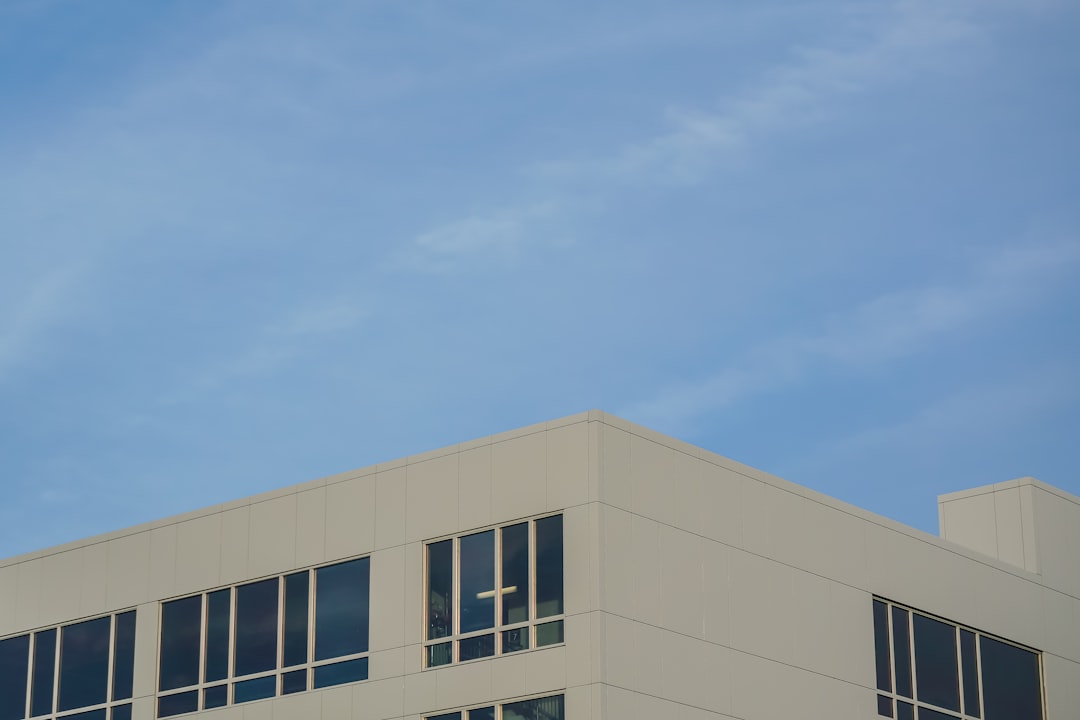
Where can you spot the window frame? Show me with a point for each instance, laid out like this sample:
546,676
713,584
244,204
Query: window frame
893,698
498,628
280,670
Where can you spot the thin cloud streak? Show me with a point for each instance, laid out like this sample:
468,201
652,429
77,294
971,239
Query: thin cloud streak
880,331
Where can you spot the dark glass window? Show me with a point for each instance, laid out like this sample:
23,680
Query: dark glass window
902,651
957,670
477,600
341,609
295,650
1011,681
881,645
256,629
257,689
440,583
84,663
41,693
500,580
89,715
342,672
484,713
14,661
936,669
446,716
218,610
176,704
180,623
294,682
216,696
124,656
480,646
549,708
515,573
549,566
120,712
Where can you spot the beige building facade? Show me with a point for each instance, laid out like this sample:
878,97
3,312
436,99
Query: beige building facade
585,568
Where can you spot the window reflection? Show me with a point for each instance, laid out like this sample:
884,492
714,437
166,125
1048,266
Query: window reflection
14,661
341,609
84,664
477,601
256,627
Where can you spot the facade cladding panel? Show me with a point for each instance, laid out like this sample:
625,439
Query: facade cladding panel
584,568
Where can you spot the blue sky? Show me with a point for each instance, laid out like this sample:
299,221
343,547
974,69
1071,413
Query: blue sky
247,244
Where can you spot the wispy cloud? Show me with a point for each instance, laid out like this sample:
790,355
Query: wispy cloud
30,314
480,240
881,330
894,41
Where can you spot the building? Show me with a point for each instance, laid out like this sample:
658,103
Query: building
584,568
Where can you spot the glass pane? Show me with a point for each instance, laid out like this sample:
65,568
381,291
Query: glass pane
549,708
41,694
937,674
514,640
14,661
477,604
215,697
342,672
881,646
445,716
84,663
901,651
970,673
181,621
1011,685
515,574
904,711
121,712
218,610
884,706
549,633
175,704
341,609
487,713
295,648
928,714
257,689
124,656
294,682
256,630
89,715
549,567
440,654
476,647
440,582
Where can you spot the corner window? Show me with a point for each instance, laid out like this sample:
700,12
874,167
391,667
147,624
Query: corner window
546,708
495,592
935,669
87,665
278,636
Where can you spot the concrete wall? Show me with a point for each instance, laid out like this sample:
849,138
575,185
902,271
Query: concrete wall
726,592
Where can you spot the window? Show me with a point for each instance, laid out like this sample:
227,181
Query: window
546,708
940,670
82,670
278,636
495,592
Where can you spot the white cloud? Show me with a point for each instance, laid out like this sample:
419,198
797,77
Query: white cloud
881,330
